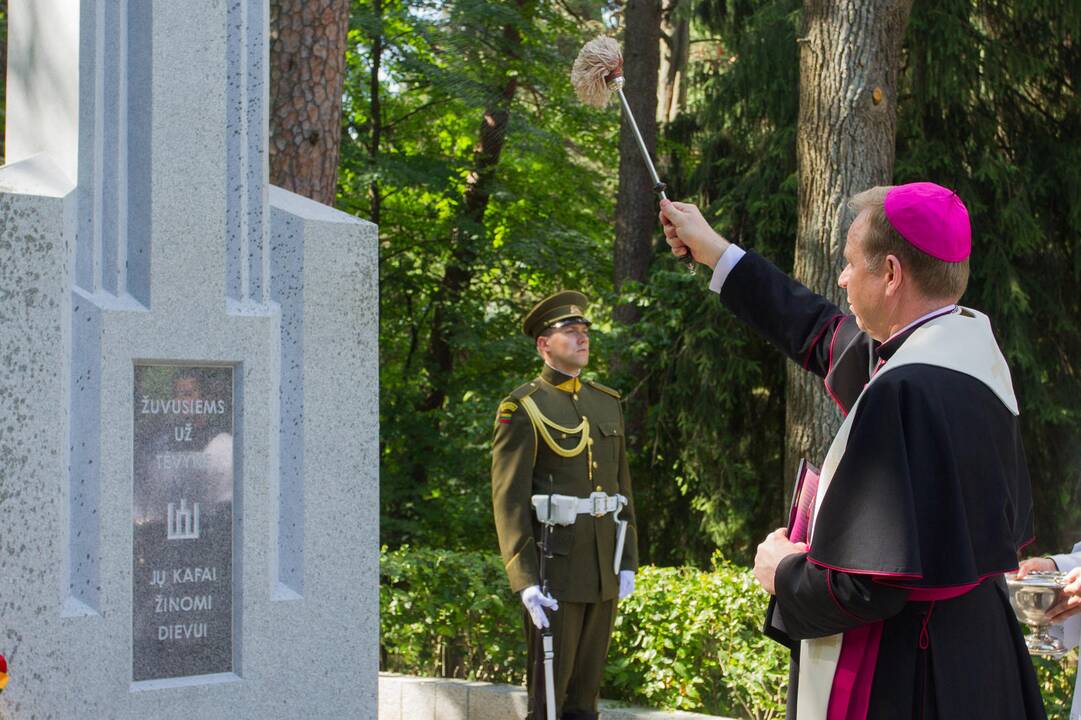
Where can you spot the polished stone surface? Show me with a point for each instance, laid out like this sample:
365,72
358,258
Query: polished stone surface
182,555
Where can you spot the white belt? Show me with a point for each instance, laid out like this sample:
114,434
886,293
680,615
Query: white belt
565,509
599,504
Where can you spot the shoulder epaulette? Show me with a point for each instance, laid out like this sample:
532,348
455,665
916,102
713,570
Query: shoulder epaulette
525,390
604,388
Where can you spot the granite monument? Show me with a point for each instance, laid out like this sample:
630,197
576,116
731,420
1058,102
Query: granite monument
188,383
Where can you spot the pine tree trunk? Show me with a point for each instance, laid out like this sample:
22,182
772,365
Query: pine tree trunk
850,55
675,54
636,205
374,194
3,74
307,75
636,215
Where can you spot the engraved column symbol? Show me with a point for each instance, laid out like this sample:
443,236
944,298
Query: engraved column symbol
182,524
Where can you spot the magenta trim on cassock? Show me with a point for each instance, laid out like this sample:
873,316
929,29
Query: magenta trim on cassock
833,597
818,339
850,695
942,593
874,573
886,576
945,592
829,367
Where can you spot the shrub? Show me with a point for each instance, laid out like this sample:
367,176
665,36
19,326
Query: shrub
1056,679
687,639
449,614
691,640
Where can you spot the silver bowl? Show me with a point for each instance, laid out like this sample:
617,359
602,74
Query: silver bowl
1031,598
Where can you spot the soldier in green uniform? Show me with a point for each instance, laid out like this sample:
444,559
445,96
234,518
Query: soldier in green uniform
563,436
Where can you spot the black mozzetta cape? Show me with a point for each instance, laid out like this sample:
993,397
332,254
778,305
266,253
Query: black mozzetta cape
932,493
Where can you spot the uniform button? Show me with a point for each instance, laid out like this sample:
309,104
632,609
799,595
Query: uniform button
599,488
564,436
575,396
591,441
594,463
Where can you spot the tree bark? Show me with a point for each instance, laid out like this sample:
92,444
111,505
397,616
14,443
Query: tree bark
636,208
675,54
460,268
3,74
307,75
636,216
374,196
850,55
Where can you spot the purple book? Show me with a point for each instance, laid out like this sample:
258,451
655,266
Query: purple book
801,516
800,525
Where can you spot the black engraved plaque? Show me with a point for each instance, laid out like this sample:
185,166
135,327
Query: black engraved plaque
182,517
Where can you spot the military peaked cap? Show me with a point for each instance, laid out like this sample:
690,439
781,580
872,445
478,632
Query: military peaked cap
563,308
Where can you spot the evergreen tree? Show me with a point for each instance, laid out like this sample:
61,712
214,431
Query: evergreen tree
469,237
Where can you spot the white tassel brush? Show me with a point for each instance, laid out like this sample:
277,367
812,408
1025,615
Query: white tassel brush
597,71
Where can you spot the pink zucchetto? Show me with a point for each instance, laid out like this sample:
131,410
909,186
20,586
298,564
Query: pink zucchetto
932,218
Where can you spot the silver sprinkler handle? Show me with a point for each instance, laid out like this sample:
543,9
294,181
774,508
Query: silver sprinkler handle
658,186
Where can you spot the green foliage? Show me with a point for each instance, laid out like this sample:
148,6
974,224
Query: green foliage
450,615
714,437
691,640
686,639
1056,680
546,225
982,108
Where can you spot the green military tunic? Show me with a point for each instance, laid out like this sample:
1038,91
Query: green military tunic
526,452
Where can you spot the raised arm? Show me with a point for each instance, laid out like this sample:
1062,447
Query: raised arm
805,326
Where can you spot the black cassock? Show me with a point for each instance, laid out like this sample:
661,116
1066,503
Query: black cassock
932,492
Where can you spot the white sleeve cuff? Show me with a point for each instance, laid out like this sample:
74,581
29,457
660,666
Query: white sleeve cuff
1066,563
728,260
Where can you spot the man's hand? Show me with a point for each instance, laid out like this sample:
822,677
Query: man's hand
1036,564
626,583
684,227
1072,604
775,548
535,602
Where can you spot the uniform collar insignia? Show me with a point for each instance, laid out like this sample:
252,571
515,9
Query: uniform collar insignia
560,380
572,386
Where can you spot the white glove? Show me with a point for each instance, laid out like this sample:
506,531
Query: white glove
535,602
626,583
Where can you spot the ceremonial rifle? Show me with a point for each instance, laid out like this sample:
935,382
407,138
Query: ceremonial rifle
545,707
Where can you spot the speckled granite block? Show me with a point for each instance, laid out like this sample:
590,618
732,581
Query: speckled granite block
144,231
390,696
452,701
498,702
403,697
